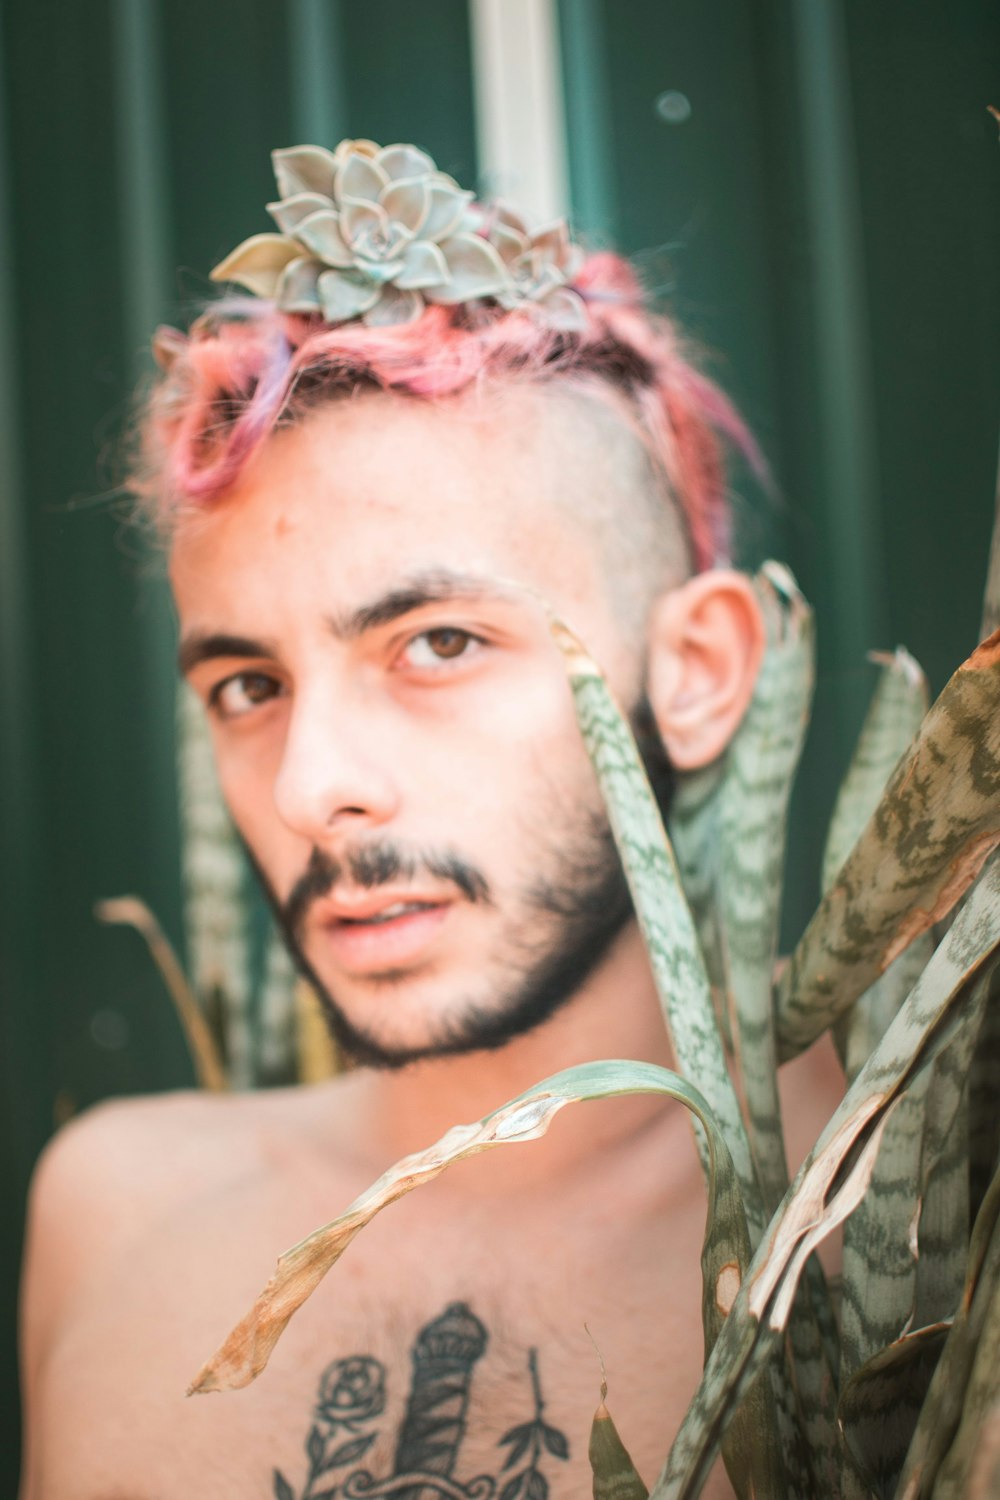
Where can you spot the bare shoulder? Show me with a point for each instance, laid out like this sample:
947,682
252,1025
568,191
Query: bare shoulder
109,1178
124,1155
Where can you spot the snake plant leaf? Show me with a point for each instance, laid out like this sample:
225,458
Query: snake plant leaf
694,835
725,1253
897,709
878,1281
982,1398
753,814
941,1413
832,1180
131,912
936,825
984,1091
688,1007
615,1475
944,1171
828,1187
904,1263
879,1258
880,1403
663,914
753,811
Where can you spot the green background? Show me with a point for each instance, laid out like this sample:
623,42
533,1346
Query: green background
826,216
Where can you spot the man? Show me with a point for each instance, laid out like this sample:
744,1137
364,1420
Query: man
369,480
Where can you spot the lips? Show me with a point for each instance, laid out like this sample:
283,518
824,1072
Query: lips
389,914
380,930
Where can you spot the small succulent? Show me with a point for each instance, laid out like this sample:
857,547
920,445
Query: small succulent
540,263
376,232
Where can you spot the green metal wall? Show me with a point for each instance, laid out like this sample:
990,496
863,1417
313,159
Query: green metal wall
826,215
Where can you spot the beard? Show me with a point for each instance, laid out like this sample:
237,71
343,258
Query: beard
580,907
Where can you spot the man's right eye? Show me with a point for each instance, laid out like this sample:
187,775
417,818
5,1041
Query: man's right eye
242,693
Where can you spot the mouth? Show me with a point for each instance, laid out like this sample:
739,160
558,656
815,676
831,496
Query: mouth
378,934
388,914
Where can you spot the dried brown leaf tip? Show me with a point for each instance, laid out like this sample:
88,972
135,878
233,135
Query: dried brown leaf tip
615,1475
994,112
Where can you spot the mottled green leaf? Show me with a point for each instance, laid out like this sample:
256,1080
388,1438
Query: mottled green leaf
942,1410
880,1403
897,709
831,1182
982,1396
694,835
943,1225
937,823
984,1099
752,820
671,941
879,1261
751,1451
615,1475
878,1282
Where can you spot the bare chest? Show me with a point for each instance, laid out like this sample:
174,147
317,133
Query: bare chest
438,1359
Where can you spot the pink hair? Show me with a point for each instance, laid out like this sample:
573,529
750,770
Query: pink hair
245,367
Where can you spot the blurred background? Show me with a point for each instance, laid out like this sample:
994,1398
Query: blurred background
811,186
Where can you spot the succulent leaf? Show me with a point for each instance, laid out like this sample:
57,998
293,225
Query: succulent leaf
321,233
304,169
298,287
257,263
401,161
358,177
289,213
424,265
408,202
445,211
474,270
393,307
344,296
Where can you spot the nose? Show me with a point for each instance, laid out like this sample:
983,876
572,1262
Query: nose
336,769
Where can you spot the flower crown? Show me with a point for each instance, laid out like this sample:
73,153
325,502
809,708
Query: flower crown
376,232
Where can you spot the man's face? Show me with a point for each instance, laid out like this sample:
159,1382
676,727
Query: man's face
393,729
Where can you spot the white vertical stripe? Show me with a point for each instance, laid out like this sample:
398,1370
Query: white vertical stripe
520,125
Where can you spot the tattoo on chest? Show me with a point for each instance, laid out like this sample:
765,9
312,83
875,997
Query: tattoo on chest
351,1399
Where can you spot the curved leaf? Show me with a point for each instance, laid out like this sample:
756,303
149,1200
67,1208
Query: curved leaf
930,836
246,1351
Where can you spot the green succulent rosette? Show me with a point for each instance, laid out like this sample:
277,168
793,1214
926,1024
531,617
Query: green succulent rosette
376,232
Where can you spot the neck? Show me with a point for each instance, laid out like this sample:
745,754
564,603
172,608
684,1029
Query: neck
616,1013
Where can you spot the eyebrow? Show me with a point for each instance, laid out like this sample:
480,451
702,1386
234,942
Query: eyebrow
202,646
435,586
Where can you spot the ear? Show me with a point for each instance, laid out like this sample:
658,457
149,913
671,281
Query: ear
706,643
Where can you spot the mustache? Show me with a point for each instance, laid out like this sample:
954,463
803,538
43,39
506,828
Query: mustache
374,865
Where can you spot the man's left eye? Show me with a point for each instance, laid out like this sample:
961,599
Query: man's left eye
446,643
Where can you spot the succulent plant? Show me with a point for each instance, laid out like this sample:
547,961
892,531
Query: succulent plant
540,264
376,232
